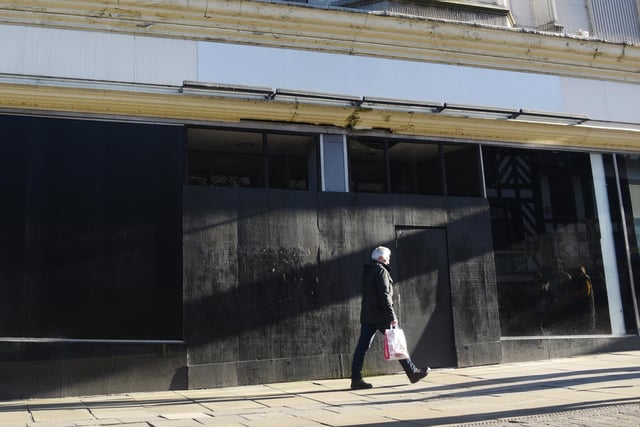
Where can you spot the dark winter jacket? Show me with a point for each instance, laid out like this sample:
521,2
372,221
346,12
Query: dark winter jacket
377,293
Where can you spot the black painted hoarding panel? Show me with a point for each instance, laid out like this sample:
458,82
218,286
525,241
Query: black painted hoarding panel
91,236
287,306
473,287
424,285
59,369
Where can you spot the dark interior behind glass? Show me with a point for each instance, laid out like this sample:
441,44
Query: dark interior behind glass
546,242
377,165
230,158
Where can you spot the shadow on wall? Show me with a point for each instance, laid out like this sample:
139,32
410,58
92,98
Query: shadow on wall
274,274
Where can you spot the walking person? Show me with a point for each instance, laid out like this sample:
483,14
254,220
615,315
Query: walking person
377,314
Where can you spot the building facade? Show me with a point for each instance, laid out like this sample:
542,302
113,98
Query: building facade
191,186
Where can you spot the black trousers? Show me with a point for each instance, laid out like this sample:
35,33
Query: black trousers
367,333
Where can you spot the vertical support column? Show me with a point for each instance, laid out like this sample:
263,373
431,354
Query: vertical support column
627,248
265,160
443,171
333,163
483,178
607,245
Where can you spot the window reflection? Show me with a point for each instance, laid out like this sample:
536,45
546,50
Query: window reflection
546,243
462,168
367,166
416,169
225,158
379,166
228,158
632,172
290,161
627,234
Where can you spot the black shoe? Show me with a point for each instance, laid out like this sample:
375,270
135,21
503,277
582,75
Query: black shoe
360,385
416,376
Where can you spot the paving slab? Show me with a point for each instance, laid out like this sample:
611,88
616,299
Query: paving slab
227,406
224,420
41,415
330,417
289,401
408,411
277,419
14,417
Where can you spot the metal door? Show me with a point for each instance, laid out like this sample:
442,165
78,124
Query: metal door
424,295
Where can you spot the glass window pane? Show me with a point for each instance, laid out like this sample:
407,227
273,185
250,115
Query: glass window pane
463,170
632,169
334,169
628,264
288,160
415,168
546,243
225,158
367,166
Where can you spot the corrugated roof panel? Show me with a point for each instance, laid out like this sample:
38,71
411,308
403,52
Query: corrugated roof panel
616,21
460,13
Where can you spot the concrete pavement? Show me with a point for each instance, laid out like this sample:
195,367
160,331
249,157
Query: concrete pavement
593,390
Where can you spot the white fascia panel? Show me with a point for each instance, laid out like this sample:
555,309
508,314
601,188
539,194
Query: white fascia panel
13,45
601,100
586,96
78,54
622,102
415,81
96,56
376,77
164,61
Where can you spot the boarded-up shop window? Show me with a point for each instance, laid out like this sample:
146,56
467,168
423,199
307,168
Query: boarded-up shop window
90,229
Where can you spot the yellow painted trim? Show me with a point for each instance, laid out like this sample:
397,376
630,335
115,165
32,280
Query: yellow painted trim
337,31
214,109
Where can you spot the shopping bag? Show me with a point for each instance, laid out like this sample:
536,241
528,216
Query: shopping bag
395,344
